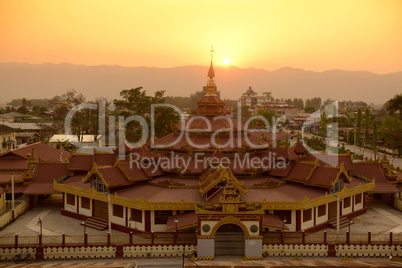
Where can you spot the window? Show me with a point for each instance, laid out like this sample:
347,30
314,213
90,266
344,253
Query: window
85,202
306,215
337,187
161,216
99,186
136,215
346,202
118,211
322,210
71,199
358,198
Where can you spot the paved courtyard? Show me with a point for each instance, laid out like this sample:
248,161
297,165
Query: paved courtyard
380,218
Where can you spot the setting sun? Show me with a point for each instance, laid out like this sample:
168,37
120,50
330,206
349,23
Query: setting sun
226,62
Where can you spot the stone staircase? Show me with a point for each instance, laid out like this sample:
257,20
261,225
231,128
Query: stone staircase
343,222
96,223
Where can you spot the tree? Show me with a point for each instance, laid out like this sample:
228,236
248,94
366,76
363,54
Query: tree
269,116
315,102
375,133
359,120
135,101
391,132
323,124
309,109
395,105
366,126
244,113
298,103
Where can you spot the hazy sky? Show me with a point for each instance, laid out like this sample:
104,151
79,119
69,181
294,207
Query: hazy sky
313,35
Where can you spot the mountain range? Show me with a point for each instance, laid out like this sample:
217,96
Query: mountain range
33,81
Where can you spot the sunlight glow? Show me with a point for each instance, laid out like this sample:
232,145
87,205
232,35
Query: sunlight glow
226,61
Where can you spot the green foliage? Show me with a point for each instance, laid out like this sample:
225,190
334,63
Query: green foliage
299,103
395,105
30,102
179,102
245,113
310,109
316,143
366,126
375,133
323,124
269,116
391,132
315,102
359,120
135,101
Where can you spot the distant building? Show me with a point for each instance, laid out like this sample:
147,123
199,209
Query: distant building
250,98
7,139
18,117
63,142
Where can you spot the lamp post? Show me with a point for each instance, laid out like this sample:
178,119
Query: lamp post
176,220
40,222
85,226
129,224
350,222
338,201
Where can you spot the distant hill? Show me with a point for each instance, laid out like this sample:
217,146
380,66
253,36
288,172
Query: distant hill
47,80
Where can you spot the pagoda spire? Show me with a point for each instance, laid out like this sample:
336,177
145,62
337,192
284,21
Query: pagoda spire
211,76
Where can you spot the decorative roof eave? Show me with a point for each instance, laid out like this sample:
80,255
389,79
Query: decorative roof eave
139,203
95,170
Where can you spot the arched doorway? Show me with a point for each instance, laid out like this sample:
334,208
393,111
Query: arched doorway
229,241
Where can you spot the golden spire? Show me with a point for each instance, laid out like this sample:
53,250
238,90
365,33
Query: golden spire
211,75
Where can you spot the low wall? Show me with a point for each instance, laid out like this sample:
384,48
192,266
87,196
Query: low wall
7,254
293,250
8,216
96,252
368,250
398,203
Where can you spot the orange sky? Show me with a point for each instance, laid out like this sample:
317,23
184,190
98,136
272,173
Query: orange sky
313,35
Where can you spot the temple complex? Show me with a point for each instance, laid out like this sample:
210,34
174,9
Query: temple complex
215,177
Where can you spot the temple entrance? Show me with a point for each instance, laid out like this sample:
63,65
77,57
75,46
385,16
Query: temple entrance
229,241
332,207
100,209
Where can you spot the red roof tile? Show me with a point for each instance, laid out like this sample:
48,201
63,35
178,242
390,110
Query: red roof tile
161,194
113,176
81,162
42,151
273,221
45,173
183,221
323,177
7,177
301,171
285,193
13,164
373,170
104,159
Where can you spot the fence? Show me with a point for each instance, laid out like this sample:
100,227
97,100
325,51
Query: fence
18,210
161,238
324,237
167,238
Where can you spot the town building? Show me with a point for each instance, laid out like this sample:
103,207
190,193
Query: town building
251,99
7,138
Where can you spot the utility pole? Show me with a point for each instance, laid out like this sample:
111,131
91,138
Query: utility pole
109,212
